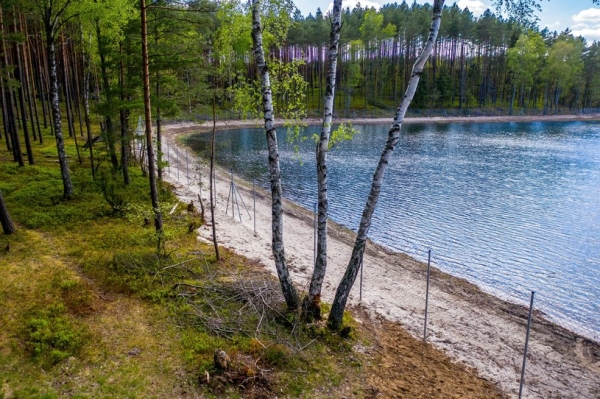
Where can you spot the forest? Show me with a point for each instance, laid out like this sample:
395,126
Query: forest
78,61
200,55
87,87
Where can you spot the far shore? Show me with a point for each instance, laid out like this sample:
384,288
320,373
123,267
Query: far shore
188,126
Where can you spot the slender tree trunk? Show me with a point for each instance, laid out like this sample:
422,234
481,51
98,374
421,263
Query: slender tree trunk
7,224
35,58
158,129
5,122
212,190
86,111
31,91
287,287
110,134
343,290
20,77
65,86
8,95
313,304
58,134
158,116
124,119
512,98
68,101
21,90
148,117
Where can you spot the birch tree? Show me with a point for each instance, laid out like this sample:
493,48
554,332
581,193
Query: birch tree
313,303
54,15
287,287
343,290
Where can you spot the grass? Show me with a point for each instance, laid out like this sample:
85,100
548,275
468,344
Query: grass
90,308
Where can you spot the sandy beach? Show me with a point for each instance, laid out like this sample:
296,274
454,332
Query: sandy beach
469,325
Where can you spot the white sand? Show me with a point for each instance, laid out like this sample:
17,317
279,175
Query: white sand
472,327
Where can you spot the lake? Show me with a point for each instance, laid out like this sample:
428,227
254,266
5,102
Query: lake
512,207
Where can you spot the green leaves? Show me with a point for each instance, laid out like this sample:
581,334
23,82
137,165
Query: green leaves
564,61
344,132
525,59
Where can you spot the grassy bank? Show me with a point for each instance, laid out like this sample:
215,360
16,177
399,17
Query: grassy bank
90,307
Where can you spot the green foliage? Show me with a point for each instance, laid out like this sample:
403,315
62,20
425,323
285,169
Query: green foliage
565,61
525,59
344,132
113,191
51,335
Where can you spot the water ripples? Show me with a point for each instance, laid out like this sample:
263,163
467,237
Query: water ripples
511,207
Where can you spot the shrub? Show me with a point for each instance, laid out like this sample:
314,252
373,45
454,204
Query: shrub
51,336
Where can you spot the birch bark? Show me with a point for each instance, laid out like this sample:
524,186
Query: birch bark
288,289
343,290
313,303
56,114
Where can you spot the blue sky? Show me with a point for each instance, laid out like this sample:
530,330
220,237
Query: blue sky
581,16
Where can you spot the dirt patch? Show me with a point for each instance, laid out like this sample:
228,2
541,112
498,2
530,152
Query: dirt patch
404,367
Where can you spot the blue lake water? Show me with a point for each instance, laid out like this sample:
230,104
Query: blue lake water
512,207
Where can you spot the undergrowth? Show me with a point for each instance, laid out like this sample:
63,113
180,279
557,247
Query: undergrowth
90,308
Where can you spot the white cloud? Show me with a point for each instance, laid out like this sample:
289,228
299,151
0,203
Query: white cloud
554,25
590,15
475,6
591,34
587,24
352,4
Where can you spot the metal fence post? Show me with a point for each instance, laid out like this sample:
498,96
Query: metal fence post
526,344
254,199
427,296
361,278
315,237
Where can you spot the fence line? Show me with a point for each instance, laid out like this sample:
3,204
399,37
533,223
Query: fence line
428,279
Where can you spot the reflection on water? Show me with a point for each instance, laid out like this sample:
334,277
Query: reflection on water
512,207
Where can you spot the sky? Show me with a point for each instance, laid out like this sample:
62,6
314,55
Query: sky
581,16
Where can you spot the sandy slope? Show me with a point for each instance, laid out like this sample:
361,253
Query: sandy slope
472,327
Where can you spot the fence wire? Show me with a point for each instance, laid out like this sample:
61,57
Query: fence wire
483,331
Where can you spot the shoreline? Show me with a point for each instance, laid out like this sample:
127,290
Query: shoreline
185,127
473,327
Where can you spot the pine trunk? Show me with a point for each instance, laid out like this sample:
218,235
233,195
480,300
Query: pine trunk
20,77
86,111
124,119
148,118
7,224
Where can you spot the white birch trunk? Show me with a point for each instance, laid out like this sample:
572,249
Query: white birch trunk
313,304
343,290
56,115
288,289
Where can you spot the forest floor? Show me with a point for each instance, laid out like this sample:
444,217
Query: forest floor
472,328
